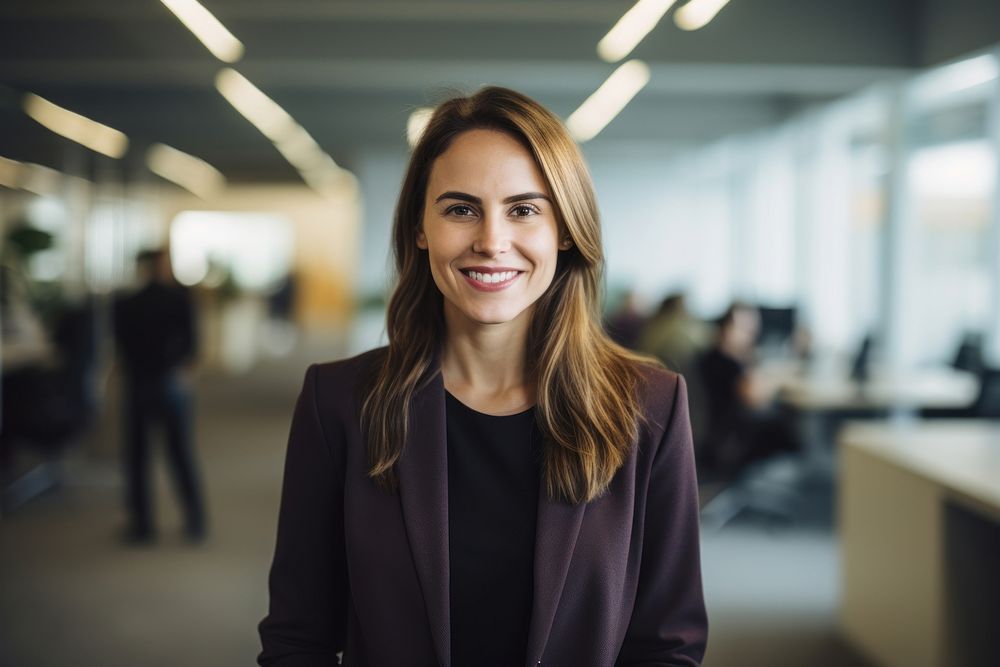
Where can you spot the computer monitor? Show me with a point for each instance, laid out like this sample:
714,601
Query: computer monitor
776,326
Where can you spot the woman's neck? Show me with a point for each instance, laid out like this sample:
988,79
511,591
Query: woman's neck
485,366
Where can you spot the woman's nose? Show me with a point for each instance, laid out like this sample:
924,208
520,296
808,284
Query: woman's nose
492,237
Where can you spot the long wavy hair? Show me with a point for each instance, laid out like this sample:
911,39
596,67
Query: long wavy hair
587,401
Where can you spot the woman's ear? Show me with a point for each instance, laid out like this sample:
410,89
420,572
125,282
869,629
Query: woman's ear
565,243
421,239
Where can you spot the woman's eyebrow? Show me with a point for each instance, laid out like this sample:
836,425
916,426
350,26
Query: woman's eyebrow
461,196
526,196
472,199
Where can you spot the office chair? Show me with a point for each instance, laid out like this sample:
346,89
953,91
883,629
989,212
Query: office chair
987,405
969,355
766,487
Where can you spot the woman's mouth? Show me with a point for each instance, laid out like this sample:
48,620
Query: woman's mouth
490,281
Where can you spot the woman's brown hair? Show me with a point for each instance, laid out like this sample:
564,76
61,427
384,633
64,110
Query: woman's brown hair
587,406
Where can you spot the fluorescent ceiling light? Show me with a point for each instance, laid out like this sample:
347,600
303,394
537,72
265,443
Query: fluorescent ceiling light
263,112
191,173
301,150
942,83
10,173
295,144
28,176
207,29
697,13
40,179
635,24
416,124
333,182
607,101
95,136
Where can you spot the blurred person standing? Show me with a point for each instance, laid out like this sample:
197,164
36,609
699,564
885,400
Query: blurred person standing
155,332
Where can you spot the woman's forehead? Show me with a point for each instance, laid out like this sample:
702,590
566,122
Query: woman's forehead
486,160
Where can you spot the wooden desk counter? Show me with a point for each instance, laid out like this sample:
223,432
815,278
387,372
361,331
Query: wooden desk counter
919,510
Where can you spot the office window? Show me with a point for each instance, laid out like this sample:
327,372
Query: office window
769,216
952,188
255,249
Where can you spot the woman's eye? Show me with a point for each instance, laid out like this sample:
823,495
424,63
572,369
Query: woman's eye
460,210
523,211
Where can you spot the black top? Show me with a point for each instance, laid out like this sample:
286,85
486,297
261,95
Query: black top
721,375
493,478
155,330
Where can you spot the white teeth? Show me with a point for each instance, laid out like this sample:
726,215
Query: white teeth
491,278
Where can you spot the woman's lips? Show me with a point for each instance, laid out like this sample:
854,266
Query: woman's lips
491,281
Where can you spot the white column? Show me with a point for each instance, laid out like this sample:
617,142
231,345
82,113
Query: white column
898,237
992,343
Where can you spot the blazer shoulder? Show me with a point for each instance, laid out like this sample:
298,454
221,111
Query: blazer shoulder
659,392
341,379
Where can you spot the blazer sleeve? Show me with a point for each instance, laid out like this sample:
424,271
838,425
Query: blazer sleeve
669,625
307,618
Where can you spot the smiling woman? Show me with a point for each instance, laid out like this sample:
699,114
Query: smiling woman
502,484
491,234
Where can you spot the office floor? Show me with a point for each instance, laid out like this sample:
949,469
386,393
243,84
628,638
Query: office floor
71,595
772,598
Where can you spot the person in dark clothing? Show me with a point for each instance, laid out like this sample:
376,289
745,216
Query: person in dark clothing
741,427
155,333
624,326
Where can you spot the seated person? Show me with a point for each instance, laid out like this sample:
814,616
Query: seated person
740,426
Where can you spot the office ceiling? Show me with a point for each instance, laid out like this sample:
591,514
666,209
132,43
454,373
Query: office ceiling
350,71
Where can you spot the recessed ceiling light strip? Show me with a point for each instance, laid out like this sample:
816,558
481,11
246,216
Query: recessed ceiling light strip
607,101
95,136
208,29
297,146
698,13
191,173
28,176
630,29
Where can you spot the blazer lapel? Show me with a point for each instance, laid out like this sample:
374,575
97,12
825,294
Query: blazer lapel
555,538
423,490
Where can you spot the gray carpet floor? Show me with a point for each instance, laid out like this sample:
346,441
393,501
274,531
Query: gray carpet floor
71,594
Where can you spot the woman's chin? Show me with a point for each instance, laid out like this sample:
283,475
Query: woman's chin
486,317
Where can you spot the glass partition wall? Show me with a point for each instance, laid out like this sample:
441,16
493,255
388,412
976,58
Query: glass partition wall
875,217
947,277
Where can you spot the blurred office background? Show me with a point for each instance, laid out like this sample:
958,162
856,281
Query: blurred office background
831,166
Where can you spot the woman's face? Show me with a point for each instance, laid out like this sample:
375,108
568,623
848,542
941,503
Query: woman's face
490,230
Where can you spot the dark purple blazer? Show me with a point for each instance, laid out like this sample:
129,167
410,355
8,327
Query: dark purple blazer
617,581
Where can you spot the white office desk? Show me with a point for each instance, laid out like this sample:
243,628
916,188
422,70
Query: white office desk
920,388
919,512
